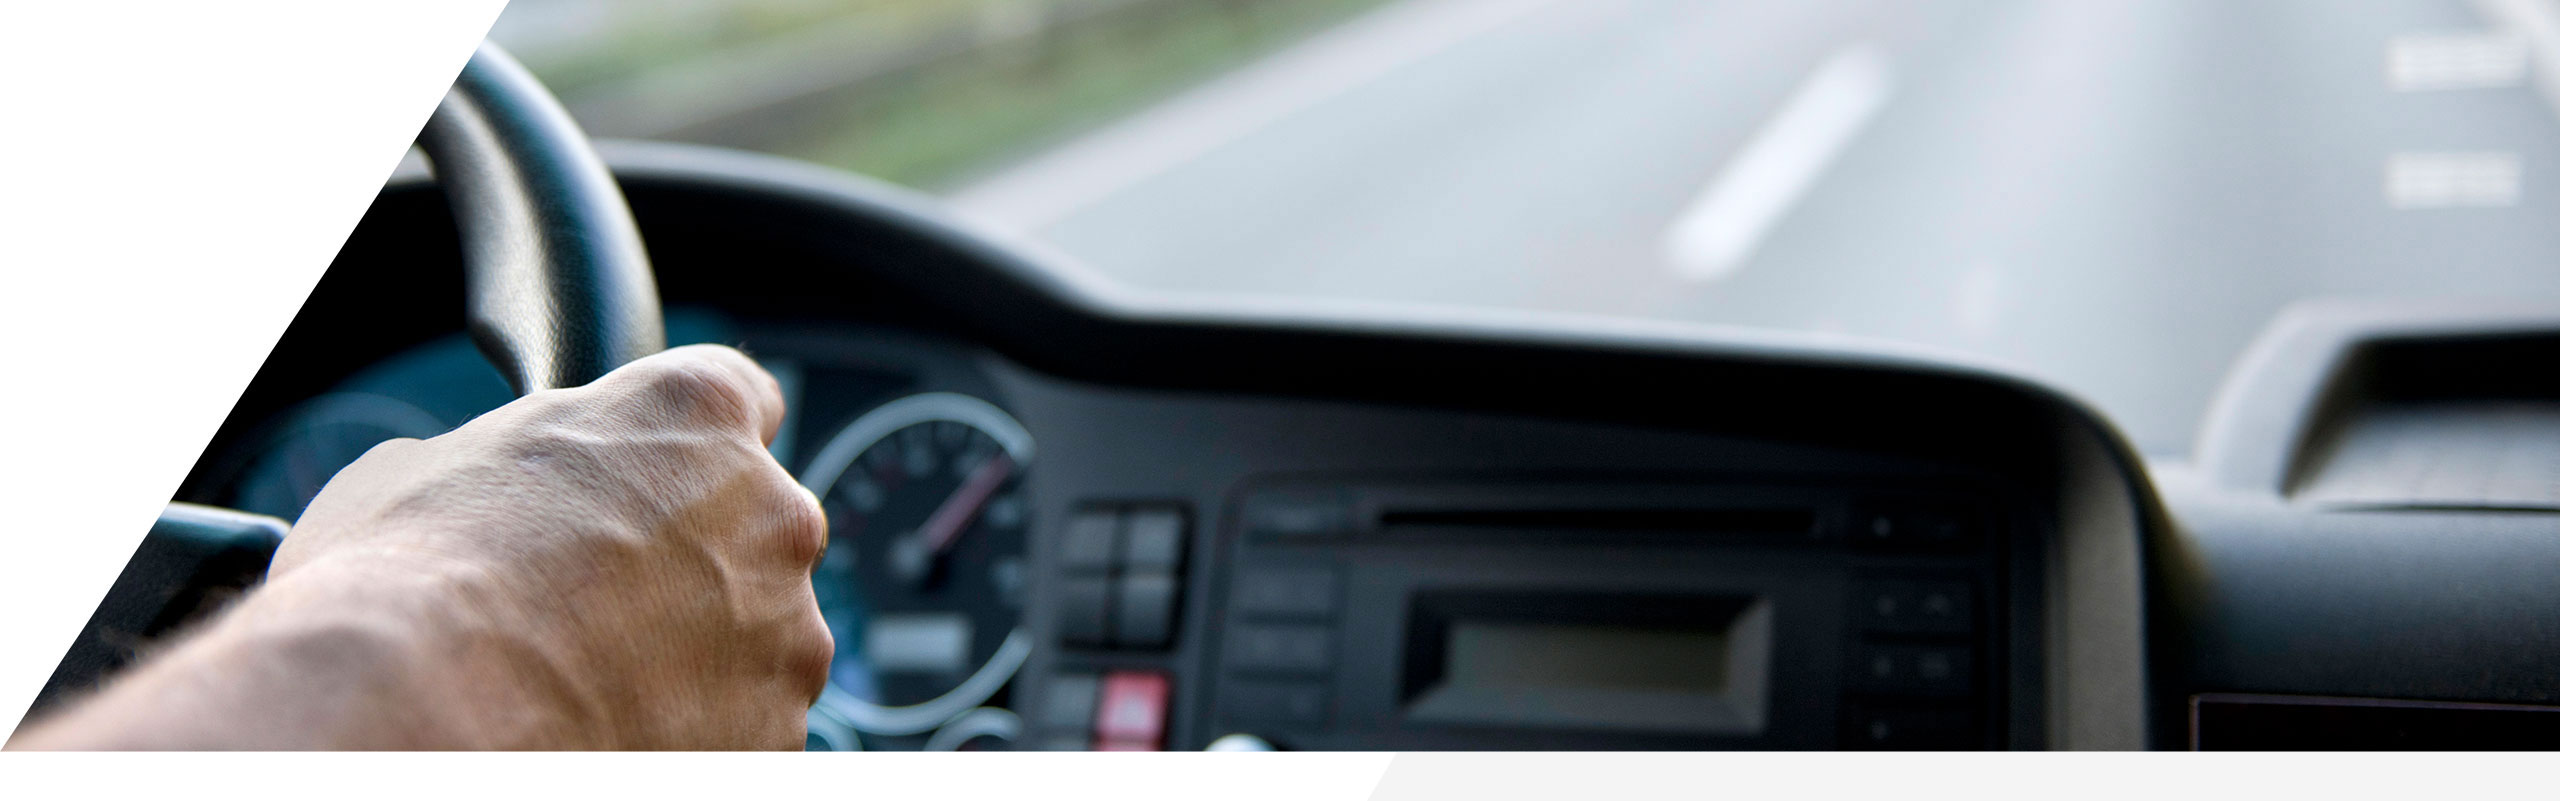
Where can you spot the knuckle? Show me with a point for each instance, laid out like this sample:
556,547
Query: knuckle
705,389
803,525
812,653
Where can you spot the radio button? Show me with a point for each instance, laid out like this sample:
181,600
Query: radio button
1303,592
1916,528
1891,728
1914,670
1280,649
1916,607
1944,529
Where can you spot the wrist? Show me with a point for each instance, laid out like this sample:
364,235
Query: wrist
453,670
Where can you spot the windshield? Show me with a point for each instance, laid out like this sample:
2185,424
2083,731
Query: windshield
2111,195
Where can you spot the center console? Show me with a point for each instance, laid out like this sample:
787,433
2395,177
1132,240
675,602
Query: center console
1364,613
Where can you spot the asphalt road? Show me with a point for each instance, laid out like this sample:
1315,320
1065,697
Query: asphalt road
2114,195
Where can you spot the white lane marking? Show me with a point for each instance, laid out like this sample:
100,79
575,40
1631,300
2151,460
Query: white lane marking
2538,21
2452,180
1053,186
2444,61
1720,229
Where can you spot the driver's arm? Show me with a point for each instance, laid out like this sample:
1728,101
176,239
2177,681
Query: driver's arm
616,566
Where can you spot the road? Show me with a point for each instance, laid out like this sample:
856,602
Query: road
2113,195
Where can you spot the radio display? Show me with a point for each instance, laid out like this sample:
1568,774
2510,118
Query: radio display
1541,656
1682,664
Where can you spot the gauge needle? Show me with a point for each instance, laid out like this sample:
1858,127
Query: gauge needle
943,528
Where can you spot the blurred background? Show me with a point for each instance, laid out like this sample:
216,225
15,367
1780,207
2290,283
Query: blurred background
2112,195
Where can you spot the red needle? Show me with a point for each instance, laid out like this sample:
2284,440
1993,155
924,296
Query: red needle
943,528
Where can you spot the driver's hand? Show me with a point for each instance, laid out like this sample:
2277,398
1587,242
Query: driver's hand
621,565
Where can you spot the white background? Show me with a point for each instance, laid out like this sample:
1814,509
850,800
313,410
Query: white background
174,176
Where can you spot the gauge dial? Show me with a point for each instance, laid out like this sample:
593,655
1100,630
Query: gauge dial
319,439
922,583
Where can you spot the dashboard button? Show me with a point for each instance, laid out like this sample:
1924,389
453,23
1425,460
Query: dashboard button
1067,703
1142,611
1291,704
1916,607
1280,649
1084,611
1131,713
1943,606
1944,528
1300,592
1883,530
1898,728
1924,670
1090,542
1919,528
1151,539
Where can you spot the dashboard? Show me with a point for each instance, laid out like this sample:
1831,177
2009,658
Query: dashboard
1067,515
1316,573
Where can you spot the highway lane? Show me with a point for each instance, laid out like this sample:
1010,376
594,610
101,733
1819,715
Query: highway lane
2112,194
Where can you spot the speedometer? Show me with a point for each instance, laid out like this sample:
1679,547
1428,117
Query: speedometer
922,582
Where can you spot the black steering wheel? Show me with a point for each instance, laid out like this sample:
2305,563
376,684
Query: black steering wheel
559,286
559,293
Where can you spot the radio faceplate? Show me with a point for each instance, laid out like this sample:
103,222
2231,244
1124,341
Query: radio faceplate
1607,616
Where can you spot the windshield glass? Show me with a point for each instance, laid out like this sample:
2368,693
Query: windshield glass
2111,195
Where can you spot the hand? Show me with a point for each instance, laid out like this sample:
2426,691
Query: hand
621,565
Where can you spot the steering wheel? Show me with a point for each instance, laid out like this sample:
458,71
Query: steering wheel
558,284
558,290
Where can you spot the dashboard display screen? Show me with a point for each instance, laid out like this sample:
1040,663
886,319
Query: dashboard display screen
1538,657
1665,664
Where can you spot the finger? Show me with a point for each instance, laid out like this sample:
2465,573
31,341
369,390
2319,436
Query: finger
713,376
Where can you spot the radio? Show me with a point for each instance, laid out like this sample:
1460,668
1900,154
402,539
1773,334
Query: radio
1591,616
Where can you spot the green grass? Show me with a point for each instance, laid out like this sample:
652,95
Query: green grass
656,37
944,120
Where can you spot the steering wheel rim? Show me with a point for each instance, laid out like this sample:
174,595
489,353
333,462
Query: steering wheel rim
557,282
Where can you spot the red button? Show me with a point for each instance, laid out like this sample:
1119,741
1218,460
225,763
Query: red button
1130,714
